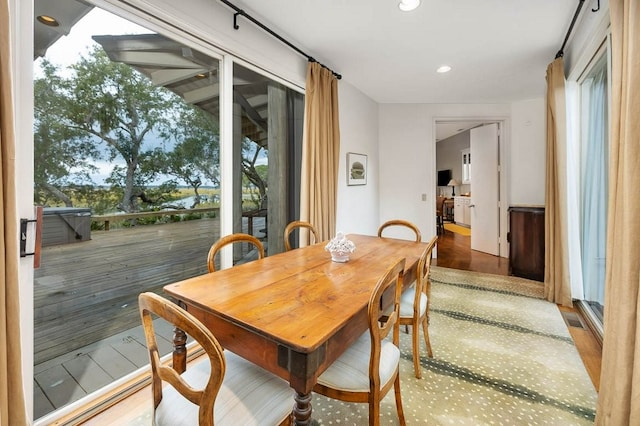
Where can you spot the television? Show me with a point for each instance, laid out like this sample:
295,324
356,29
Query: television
444,176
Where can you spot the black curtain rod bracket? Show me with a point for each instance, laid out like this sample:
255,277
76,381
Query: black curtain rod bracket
240,12
235,19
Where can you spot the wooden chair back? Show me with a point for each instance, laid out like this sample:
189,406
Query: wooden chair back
400,222
379,330
301,225
347,385
231,239
150,303
440,213
419,317
423,284
440,205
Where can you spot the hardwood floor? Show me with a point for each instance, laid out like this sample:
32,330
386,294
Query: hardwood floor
454,251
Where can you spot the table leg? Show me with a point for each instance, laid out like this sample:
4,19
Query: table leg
302,409
180,347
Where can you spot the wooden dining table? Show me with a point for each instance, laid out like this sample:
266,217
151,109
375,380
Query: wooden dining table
292,313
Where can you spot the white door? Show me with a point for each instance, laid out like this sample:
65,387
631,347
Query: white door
485,212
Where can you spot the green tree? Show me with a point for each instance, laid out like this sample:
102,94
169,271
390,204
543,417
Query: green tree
196,157
62,153
119,106
255,173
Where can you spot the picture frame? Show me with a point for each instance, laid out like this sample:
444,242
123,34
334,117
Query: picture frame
356,169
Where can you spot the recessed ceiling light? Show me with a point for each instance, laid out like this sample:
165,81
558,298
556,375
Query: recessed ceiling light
48,20
408,5
443,69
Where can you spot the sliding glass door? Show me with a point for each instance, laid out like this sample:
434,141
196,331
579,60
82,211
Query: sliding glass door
267,142
594,166
128,143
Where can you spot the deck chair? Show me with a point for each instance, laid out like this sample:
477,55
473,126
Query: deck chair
231,239
301,225
400,222
369,368
219,386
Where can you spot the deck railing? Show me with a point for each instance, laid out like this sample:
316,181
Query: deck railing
107,219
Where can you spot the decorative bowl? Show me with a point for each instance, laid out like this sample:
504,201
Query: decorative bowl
338,256
340,247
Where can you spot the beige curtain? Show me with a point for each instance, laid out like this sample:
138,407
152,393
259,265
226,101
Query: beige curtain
619,396
12,401
320,152
557,287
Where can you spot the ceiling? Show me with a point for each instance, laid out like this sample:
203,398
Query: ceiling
498,49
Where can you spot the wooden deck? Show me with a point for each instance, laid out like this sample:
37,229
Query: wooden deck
87,326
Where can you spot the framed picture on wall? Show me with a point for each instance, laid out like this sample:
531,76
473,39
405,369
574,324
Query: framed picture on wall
356,169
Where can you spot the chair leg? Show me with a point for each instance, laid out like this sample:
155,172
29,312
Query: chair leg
415,343
396,391
374,412
427,341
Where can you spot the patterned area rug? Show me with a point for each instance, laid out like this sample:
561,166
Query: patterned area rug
502,355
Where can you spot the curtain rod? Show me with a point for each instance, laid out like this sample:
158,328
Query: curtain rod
267,29
573,21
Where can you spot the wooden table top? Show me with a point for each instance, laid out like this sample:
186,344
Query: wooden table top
298,298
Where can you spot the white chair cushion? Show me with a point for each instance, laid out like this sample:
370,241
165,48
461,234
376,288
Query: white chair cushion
350,372
406,304
249,396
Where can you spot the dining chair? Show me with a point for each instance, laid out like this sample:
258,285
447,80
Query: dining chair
368,369
440,213
414,306
231,239
400,222
218,386
299,224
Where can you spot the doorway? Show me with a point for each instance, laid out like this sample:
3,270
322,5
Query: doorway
452,150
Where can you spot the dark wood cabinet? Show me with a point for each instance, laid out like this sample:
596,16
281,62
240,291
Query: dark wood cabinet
526,242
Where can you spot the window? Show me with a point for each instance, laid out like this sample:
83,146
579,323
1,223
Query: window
466,166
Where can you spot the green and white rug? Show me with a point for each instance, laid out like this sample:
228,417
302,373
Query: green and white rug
502,356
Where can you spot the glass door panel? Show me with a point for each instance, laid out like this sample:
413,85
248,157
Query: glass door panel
267,141
126,137
594,184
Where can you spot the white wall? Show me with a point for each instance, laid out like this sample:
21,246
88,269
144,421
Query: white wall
358,207
407,153
449,157
527,152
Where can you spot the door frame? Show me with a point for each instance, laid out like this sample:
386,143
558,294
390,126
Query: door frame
21,21
504,165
